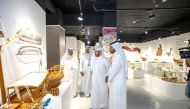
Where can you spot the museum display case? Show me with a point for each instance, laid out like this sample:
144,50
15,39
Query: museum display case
136,70
170,72
166,79
136,65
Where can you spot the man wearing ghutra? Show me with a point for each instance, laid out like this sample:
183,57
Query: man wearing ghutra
116,78
100,67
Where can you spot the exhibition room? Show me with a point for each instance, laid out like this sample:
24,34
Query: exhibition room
94,54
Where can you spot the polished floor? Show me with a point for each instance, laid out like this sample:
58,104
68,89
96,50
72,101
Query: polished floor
138,98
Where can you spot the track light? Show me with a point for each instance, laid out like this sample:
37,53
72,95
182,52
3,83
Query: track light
151,16
135,21
187,42
145,31
80,18
164,1
82,29
88,42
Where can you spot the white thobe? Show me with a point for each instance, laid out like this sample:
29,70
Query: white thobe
99,92
70,64
87,78
117,83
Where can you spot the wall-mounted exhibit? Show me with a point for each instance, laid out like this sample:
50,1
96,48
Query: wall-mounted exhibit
24,78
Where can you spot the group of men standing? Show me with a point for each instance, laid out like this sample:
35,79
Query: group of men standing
104,80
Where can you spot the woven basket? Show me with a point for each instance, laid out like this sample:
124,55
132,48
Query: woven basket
55,75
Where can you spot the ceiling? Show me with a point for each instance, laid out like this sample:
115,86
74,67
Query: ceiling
160,18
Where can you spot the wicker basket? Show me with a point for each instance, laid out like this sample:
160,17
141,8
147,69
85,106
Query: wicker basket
55,75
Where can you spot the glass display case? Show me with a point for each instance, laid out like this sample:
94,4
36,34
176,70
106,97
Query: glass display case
136,65
166,79
170,72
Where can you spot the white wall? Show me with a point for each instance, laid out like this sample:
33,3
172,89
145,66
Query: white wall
148,49
174,42
14,14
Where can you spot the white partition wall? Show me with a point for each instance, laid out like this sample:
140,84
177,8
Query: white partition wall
71,42
55,44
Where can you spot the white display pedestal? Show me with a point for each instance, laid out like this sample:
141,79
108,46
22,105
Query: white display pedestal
148,79
64,100
135,74
157,86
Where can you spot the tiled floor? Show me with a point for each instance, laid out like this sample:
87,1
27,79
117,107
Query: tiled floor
138,98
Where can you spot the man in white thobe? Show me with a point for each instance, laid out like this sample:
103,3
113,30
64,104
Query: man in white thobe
117,78
99,92
70,63
85,72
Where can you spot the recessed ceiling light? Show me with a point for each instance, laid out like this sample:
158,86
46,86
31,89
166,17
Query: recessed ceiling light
159,38
80,18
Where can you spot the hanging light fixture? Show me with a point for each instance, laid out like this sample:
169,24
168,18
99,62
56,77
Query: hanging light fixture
80,18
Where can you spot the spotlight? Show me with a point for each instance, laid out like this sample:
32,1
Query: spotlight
80,18
186,42
164,1
88,42
145,31
135,21
151,16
